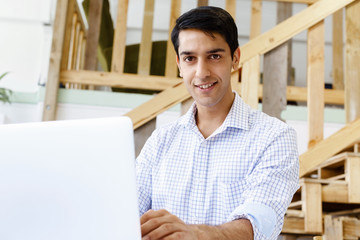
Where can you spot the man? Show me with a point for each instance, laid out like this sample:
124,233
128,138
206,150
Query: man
223,170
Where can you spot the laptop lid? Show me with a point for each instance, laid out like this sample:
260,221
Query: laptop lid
68,180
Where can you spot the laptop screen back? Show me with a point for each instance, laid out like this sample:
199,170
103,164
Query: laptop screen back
68,180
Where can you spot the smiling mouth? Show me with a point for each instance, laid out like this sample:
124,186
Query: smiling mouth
206,86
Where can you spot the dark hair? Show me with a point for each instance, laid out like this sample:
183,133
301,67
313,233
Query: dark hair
210,20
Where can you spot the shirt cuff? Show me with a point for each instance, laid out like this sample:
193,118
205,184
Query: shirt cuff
262,218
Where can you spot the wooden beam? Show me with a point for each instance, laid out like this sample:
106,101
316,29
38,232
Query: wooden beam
171,66
250,79
352,62
146,39
118,55
338,50
316,82
294,1
95,10
353,178
202,3
230,6
291,27
52,84
163,101
312,206
69,23
329,147
256,16
125,80
159,83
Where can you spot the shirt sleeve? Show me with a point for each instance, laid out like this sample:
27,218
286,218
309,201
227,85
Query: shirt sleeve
270,186
144,163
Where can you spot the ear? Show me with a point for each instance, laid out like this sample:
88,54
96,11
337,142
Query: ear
178,64
236,58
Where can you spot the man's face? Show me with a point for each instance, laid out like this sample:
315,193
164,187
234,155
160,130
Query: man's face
205,63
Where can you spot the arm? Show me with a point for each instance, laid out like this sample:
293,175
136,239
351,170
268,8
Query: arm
163,225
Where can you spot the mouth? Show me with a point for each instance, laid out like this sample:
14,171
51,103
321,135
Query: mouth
206,86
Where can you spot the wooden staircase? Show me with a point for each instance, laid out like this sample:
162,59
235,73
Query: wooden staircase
319,166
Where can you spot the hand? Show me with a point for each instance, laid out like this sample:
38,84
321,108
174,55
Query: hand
161,224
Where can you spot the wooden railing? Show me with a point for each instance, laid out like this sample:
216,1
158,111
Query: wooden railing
173,91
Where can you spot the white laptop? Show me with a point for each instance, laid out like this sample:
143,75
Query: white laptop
68,180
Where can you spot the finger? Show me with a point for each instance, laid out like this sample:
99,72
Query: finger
152,214
154,223
165,230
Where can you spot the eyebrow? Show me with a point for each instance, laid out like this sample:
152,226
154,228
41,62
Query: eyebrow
216,50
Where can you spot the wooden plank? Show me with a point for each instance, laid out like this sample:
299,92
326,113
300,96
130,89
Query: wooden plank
235,84
118,55
250,77
315,82
72,42
293,225
290,27
338,50
335,193
69,15
171,69
351,228
146,39
330,232
163,101
126,80
52,84
330,146
312,207
352,62
353,178
256,16
76,45
294,1
94,19
202,3
230,6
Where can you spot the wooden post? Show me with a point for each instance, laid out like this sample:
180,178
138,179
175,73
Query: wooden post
230,7
118,55
277,70
315,82
255,22
143,133
352,176
146,39
170,66
202,3
312,206
352,62
250,79
338,50
95,10
52,84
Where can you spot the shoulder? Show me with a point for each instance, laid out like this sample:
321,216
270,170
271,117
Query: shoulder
269,127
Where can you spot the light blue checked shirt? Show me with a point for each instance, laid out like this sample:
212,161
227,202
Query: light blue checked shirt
248,168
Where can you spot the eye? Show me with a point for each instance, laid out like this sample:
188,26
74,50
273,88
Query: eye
215,56
188,59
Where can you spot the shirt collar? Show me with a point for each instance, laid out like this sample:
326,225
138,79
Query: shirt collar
238,116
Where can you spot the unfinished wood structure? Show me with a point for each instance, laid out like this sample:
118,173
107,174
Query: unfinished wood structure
323,173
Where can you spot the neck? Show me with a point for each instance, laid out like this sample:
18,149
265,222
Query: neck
208,119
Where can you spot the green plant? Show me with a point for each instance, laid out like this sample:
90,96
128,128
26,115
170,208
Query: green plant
4,92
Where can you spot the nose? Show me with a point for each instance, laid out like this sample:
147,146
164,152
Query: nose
202,69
